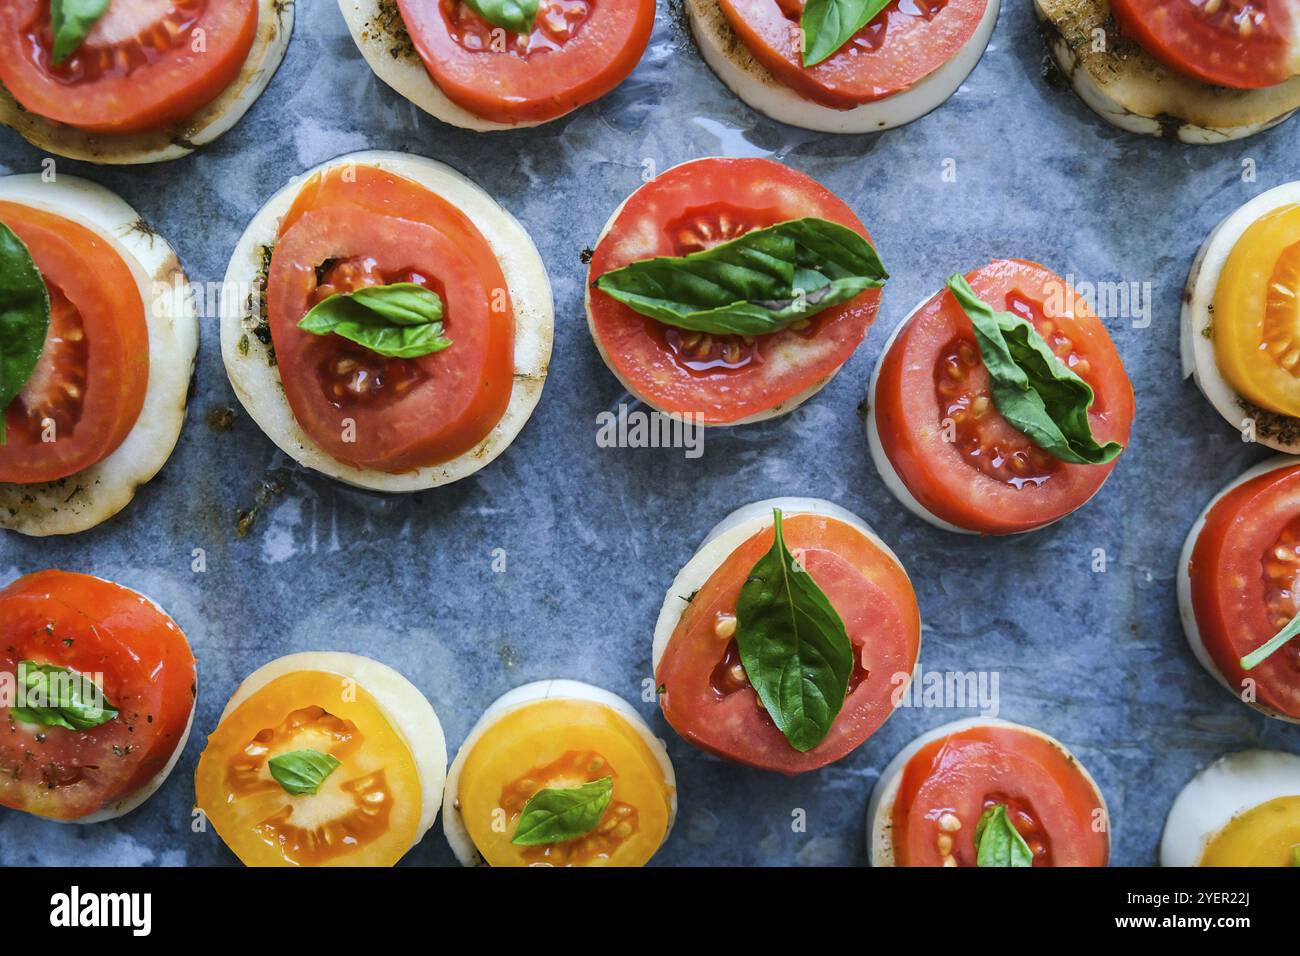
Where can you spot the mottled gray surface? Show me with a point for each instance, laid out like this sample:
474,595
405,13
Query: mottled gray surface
594,536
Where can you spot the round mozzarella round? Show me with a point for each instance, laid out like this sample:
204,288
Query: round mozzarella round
453,824
731,60
408,710
1198,355
274,27
1226,788
50,508
256,379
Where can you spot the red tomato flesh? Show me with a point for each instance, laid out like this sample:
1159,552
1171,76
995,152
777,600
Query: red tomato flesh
1238,43
1245,571
724,379
89,385
1048,798
902,45
359,226
578,51
145,64
992,479
93,628
706,703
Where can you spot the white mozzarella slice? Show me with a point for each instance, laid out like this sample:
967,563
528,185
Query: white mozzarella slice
1228,787
1129,89
92,496
257,381
408,710
1199,360
453,824
731,60
274,27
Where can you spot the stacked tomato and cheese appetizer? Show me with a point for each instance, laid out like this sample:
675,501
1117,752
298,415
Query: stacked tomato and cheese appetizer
728,291
1201,71
987,793
135,81
999,405
1241,315
97,350
487,64
842,66
559,773
323,759
788,638
97,689
1238,582
399,326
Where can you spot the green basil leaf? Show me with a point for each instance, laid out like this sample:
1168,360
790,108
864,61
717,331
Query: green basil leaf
58,697
24,318
517,16
402,320
793,646
553,815
1295,855
71,21
302,771
754,284
1033,390
1274,644
998,842
829,24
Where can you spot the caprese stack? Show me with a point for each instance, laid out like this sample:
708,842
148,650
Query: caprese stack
1000,405
399,323
97,349
135,81
1201,71
728,291
486,65
788,638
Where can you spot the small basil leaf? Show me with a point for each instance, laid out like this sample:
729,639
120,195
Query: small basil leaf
71,21
793,645
998,842
1273,645
1295,855
55,696
829,24
402,320
517,16
553,815
302,771
1033,390
761,282
24,318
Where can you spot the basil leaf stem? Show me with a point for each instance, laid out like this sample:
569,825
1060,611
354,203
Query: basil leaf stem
302,771
998,842
56,696
24,318
1274,644
829,24
401,320
72,21
557,814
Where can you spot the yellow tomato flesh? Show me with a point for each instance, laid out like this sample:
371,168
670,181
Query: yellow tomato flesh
1257,313
563,744
367,811
1265,835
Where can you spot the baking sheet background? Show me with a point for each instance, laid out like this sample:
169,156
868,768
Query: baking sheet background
594,536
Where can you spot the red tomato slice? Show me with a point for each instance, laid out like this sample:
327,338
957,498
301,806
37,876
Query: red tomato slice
706,704
145,64
992,479
904,44
357,227
93,628
1242,45
88,388
1245,571
724,379
578,51
1048,797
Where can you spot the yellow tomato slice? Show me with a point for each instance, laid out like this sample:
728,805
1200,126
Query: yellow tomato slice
564,743
366,813
1257,313
1262,836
